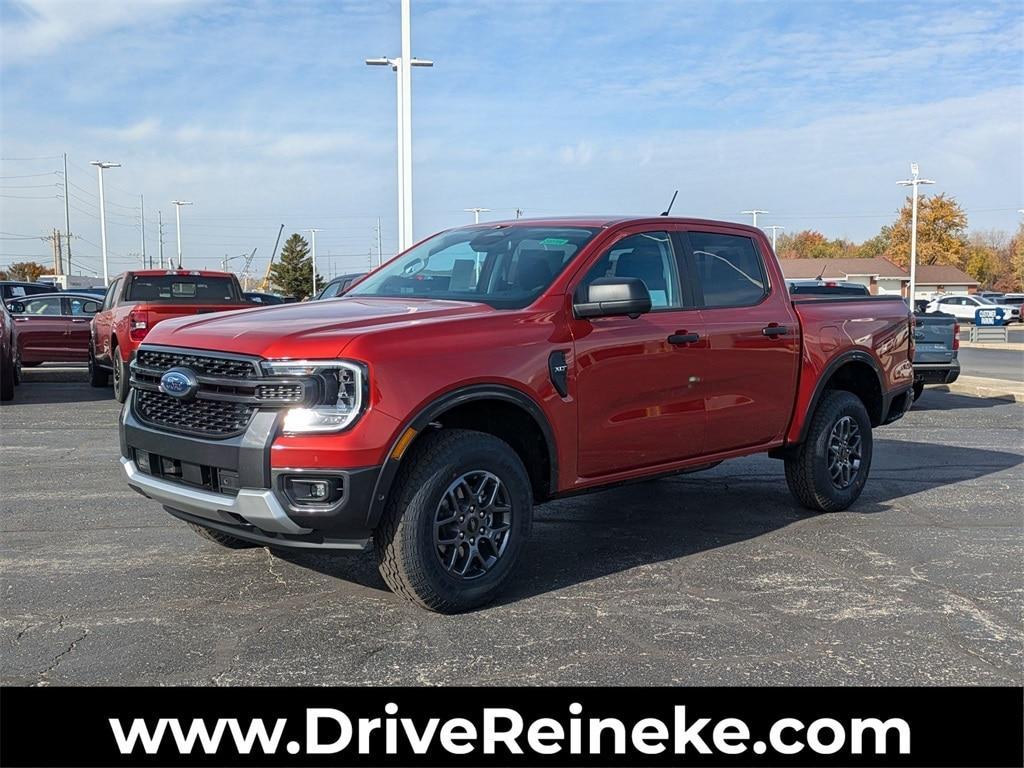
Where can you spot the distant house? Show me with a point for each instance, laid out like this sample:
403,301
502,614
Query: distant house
882,277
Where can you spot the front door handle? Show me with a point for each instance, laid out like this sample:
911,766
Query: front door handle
680,339
774,330
79,320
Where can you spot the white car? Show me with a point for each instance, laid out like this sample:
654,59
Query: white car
964,307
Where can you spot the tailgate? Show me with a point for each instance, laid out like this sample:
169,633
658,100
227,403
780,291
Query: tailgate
934,335
159,312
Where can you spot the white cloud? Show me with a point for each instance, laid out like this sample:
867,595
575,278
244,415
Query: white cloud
143,129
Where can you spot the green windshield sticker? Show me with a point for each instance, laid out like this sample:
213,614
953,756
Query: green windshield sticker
554,241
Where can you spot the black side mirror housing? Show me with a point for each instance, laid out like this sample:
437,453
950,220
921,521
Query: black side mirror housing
613,297
16,307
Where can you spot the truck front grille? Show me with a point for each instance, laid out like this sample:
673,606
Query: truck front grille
203,365
211,418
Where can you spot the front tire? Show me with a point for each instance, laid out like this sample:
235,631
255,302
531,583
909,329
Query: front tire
121,385
828,471
98,377
918,389
457,521
223,539
8,378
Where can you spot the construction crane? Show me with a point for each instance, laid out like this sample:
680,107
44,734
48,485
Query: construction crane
265,285
244,274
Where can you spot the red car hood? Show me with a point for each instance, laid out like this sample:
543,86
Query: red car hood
316,329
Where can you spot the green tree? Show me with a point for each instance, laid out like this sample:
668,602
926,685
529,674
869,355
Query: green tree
810,244
292,275
877,246
941,233
1015,278
28,271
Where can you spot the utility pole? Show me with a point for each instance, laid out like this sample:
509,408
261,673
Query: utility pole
312,234
913,182
754,213
774,228
380,252
177,217
142,225
476,213
100,167
402,67
160,233
67,214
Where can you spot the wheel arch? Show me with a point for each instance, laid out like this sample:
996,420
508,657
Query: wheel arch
496,409
856,372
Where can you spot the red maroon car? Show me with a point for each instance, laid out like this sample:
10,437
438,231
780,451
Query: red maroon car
493,367
54,327
136,301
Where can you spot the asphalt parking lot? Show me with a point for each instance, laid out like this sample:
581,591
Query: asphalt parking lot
712,578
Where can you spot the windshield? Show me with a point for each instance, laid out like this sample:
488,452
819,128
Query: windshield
506,267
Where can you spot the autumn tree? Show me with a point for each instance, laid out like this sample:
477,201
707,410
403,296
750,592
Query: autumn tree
1015,252
941,233
292,275
27,271
810,244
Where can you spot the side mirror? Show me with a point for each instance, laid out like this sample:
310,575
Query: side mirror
16,307
614,296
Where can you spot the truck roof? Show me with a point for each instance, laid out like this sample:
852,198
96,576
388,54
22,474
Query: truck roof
610,220
194,272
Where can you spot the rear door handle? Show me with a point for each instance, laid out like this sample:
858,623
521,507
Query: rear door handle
680,339
79,320
774,330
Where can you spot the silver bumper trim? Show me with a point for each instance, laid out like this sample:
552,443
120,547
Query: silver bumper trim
259,507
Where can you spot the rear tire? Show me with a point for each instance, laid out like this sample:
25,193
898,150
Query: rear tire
828,471
918,389
121,374
98,377
462,502
8,376
223,539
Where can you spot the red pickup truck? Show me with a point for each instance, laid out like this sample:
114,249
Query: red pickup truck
493,367
136,301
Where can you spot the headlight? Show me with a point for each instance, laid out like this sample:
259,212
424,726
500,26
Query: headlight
342,398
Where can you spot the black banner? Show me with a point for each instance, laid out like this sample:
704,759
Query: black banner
512,726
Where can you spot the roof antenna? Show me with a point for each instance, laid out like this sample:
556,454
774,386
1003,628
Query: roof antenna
822,273
671,203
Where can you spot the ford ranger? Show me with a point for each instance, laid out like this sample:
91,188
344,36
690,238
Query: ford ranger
496,366
137,301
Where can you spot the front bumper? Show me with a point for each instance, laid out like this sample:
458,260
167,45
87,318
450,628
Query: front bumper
260,509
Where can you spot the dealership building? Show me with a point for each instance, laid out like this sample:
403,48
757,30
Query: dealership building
882,277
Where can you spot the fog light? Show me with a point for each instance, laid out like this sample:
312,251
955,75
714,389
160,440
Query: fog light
313,490
142,461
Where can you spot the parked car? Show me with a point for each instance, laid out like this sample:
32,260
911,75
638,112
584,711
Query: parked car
10,361
90,291
54,327
1013,299
15,289
936,345
496,366
995,296
136,302
263,298
339,285
964,307
826,288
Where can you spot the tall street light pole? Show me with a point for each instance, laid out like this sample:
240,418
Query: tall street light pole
774,228
101,165
914,181
177,220
754,213
67,214
312,237
476,213
402,67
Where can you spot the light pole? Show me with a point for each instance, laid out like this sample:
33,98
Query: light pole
101,165
312,237
774,228
914,182
754,213
177,220
403,70
476,213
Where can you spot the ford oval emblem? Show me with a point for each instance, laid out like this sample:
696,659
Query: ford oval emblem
179,382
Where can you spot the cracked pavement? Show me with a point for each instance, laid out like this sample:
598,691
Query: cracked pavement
704,579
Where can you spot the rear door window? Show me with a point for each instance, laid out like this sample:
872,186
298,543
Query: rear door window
729,269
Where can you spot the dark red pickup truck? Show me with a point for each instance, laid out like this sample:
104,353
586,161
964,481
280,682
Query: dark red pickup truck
493,367
136,301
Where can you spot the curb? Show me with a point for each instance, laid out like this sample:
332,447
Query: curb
1009,345
978,386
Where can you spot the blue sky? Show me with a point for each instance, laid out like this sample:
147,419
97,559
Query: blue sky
263,113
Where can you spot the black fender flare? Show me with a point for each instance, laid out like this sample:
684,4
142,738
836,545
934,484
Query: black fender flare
850,356
428,413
